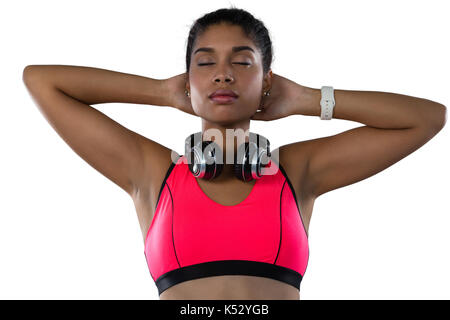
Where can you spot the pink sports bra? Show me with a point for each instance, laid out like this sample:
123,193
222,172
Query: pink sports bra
191,236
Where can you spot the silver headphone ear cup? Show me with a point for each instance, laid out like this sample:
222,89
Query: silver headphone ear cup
193,155
205,158
263,155
196,163
191,148
251,157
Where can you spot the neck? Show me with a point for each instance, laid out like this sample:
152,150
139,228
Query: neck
228,138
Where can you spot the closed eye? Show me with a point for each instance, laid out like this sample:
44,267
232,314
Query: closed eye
242,63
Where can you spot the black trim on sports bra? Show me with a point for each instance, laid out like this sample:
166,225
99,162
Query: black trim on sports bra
228,267
295,197
172,165
281,224
293,192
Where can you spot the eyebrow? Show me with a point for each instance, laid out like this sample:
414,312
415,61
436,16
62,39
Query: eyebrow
234,49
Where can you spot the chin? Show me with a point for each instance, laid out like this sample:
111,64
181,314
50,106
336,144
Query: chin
227,121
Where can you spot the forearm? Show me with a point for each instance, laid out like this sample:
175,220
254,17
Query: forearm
376,109
95,85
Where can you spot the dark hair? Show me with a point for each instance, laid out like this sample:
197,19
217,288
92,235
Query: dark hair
252,27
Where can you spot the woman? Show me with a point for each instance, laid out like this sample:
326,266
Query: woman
228,238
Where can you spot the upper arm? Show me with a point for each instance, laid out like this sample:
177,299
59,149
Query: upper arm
115,151
356,154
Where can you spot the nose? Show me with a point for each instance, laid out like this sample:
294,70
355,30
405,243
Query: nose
221,78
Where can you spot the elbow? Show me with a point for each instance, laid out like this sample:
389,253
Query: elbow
27,74
436,117
27,70
33,74
441,117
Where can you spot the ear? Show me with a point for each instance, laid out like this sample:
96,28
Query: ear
267,81
188,86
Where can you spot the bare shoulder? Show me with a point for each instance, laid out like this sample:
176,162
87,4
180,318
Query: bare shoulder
157,160
294,159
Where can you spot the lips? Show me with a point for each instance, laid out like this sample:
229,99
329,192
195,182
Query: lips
223,99
223,93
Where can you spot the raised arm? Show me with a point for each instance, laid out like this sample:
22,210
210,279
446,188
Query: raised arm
396,126
64,94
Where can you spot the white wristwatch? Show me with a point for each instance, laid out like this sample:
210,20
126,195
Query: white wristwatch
327,103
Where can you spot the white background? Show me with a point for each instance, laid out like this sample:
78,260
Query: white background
67,232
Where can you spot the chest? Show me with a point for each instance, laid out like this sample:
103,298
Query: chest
225,193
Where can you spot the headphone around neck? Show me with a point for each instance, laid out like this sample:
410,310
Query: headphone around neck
205,158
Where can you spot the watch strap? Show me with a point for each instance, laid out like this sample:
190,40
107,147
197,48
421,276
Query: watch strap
327,103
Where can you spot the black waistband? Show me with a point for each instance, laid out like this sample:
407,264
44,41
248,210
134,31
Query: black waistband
228,267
